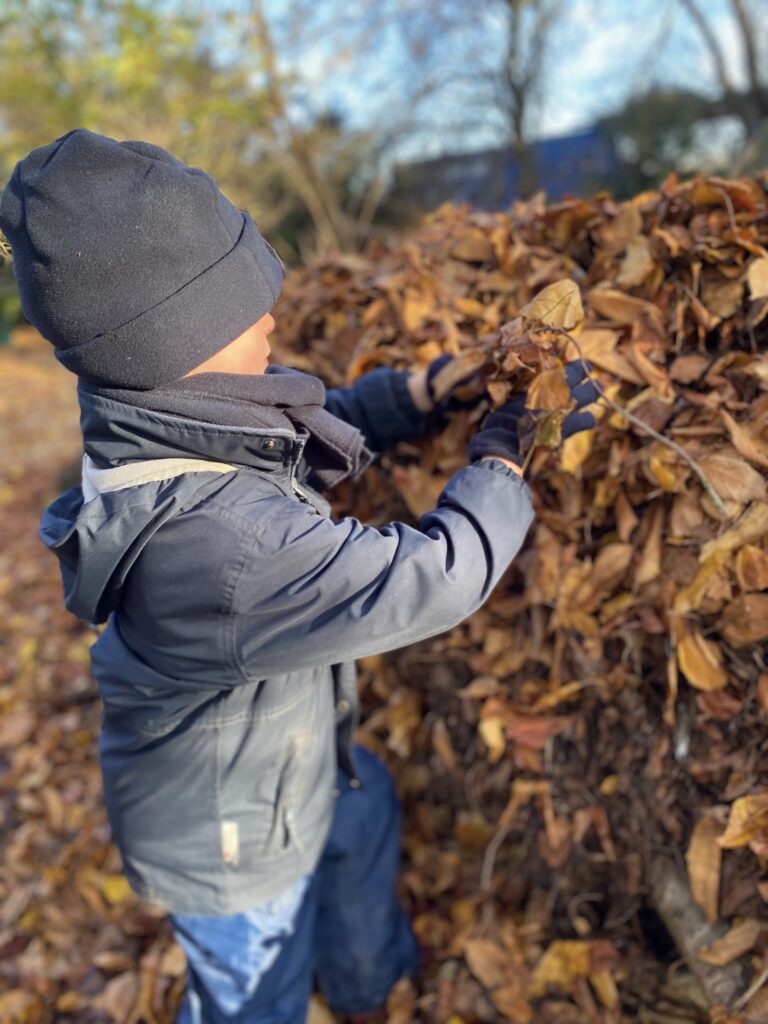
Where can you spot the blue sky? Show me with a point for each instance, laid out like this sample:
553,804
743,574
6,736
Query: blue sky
600,53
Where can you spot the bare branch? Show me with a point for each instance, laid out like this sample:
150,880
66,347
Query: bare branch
711,42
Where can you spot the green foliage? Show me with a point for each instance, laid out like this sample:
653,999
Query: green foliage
127,68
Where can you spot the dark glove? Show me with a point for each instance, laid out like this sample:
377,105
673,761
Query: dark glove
499,434
450,403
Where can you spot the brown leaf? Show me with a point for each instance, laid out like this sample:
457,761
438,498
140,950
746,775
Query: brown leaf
637,264
701,661
757,278
739,940
549,391
704,858
745,620
733,478
748,818
649,565
558,305
473,247
746,442
751,566
620,308
752,526
489,963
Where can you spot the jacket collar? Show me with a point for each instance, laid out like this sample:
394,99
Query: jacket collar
115,432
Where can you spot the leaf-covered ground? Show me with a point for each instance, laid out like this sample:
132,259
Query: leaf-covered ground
583,762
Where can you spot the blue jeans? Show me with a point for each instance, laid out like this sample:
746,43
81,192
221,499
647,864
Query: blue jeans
341,925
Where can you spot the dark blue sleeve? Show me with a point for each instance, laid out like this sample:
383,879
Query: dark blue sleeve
380,406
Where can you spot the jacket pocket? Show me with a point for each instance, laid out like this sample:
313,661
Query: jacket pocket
283,833
262,780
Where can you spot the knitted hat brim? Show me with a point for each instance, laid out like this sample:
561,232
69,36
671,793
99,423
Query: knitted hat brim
160,345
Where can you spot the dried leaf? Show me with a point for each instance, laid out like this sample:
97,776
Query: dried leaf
488,962
751,568
558,305
748,818
746,442
757,278
745,620
549,391
738,941
701,661
704,859
734,479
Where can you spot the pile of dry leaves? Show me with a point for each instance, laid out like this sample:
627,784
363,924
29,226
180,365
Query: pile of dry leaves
584,760
583,763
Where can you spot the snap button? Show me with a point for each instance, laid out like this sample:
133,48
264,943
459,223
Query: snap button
343,706
354,783
270,443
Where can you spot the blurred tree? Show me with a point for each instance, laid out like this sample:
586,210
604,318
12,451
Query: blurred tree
521,78
203,84
748,104
660,127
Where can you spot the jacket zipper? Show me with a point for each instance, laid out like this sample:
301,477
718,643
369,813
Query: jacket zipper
295,456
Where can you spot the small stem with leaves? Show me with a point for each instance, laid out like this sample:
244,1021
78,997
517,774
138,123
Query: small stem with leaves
706,483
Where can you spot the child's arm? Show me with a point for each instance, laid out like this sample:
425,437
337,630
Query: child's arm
382,407
315,592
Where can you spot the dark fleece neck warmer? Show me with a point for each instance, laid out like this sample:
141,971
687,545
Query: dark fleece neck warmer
280,399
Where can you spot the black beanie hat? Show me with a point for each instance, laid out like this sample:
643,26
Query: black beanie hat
136,267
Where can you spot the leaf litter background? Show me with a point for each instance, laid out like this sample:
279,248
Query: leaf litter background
584,762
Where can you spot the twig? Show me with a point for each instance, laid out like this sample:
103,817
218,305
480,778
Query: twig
489,860
756,985
729,207
706,483
5,248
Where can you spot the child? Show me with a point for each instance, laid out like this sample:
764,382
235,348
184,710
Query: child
233,604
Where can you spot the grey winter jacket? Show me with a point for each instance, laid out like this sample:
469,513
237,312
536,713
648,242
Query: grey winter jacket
235,606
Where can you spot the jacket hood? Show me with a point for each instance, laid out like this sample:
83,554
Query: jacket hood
97,531
97,534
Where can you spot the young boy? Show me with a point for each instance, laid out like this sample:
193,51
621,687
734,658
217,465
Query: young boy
233,604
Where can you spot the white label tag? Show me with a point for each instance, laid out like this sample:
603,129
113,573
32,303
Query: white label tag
230,842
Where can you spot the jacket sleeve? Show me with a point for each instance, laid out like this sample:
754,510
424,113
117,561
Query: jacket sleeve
315,592
380,406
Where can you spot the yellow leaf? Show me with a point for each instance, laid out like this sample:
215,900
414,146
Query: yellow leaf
757,278
704,857
417,309
471,307
649,564
604,984
474,247
115,888
562,963
576,448
748,818
662,472
492,731
558,305
701,661
610,785
752,526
